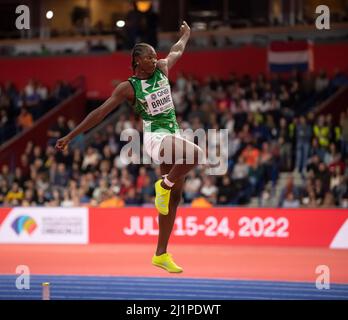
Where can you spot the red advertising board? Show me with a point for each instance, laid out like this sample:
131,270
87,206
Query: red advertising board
239,226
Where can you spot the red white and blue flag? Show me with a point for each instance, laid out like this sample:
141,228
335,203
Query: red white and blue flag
285,56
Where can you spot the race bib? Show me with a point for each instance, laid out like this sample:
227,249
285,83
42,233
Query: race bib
159,101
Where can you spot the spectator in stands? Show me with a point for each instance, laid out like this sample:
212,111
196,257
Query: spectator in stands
37,154
240,179
61,91
25,120
132,197
250,155
336,182
226,193
4,122
6,174
61,177
290,188
344,137
284,97
41,199
15,194
3,190
19,178
29,89
316,149
313,202
192,186
67,199
98,192
148,191
267,162
33,100
290,201
57,130
344,197
331,154
322,133
338,80
209,189
110,200
319,190
42,91
140,181
329,200
303,140
321,81
284,142
323,175
55,198
29,197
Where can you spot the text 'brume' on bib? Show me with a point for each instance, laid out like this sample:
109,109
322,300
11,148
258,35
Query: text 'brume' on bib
159,101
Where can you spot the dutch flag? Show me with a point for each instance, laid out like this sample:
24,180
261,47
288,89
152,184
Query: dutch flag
285,56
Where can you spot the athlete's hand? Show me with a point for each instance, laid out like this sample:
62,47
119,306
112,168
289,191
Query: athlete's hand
184,28
62,143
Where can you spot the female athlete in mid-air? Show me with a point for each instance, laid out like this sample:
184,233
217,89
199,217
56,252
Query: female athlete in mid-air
149,91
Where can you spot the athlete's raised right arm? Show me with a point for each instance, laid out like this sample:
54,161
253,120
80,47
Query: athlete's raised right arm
122,92
176,50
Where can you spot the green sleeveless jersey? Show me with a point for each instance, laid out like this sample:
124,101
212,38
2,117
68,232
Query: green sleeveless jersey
154,103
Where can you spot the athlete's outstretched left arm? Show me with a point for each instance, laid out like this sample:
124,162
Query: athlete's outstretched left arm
177,49
121,93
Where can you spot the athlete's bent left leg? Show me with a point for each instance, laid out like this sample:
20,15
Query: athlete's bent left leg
183,156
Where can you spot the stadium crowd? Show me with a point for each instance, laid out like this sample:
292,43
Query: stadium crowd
19,108
271,129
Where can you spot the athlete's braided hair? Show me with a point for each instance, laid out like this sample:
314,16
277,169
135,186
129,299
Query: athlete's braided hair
137,51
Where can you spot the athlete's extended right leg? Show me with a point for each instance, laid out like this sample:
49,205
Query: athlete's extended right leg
166,222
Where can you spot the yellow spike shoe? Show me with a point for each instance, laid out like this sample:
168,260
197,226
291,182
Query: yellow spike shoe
162,198
166,262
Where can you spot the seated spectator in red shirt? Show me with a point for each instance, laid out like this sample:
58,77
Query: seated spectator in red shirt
250,155
25,119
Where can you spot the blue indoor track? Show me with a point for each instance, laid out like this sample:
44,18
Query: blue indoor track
146,288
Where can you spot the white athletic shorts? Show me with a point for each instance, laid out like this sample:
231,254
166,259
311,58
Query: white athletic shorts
153,141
